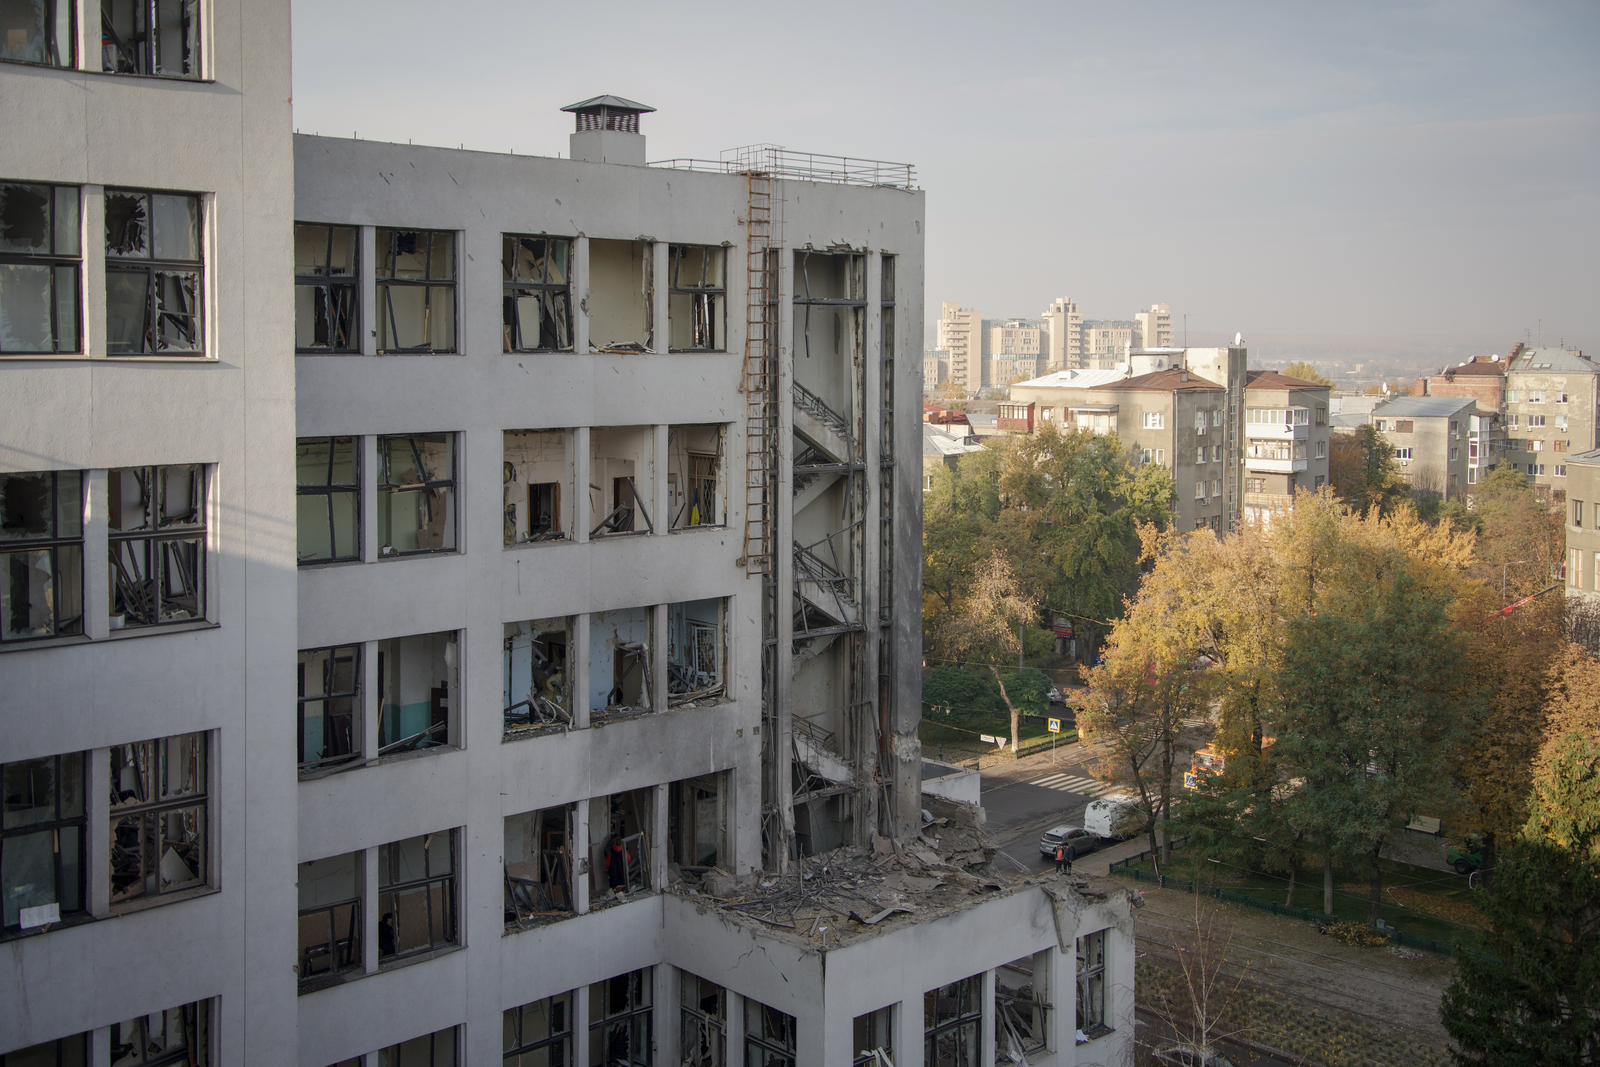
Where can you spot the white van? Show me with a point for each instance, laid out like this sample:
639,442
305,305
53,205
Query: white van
1112,817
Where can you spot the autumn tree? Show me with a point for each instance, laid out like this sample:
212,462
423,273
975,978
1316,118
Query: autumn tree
1306,373
1523,539
987,630
1362,471
958,514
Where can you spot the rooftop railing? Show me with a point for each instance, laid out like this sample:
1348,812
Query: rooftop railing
780,162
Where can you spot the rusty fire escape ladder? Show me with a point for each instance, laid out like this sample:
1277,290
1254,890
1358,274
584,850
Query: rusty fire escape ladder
758,380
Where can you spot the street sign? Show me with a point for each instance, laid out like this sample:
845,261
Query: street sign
1055,726
1191,780
1062,627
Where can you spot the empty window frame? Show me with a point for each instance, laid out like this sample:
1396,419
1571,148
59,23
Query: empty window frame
416,290
1021,1006
1092,983
327,297
40,263
697,822
176,1036
695,650
538,293
539,861
42,835
328,499
331,919
621,465
39,31
620,831
154,264
769,1036
41,550
951,1016
63,1052
430,1050
619,1020
702,1022
871,1034
417,895
157,524
695,464
160,810
159,37
697,298
537,477
417,681
620,645
416,494
539,1034
329,707
538,681
620,296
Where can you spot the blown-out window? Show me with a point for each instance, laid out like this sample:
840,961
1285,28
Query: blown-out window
39,31
696,298
416,290
40,267
416,494
160,37
417,895
326,298
41,555
159,812
157,530
42,831
153,274
328,499
536,272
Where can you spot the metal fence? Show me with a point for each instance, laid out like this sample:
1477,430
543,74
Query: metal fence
780,162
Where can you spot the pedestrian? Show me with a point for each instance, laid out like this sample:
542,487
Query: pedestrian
386,934
1062,863
617,867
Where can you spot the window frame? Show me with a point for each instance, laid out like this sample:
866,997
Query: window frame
511,323
154,535
383,302
707,299
354,949
512,1026
53,543
51,29
968,990
328,490
147,56
770,1050
53,827
602,1020
428,486
64,1056
55,260
450,935
1091,986
196,1014
325,284
356,712
712,1025
878,1020
198,798
394,1055
153,269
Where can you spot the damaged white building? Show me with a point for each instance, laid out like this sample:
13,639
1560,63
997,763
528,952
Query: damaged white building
579,492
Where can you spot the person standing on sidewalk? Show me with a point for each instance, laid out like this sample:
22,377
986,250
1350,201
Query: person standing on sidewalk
1063,861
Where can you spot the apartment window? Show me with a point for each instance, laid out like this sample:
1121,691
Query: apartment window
416,289
1577,513
1216,487
1322,450
1535,420
176,1036
42,835
1200,456
160,807
417,895
331,919
1404,425
1511,396
1092,983
1596,571
1216,453
1216,417
416,494
329,705
1575,568
42,31
1561,422
1536,445
1383,426
769,1036
539,1034
1455,428
430,1050
1199,422
63,1052
1047,414
1403,454
1561,398
41,547
951,1016
416,677
1561,470
158,37
328,488
1472,476
1321,481
1472,450
1511,420
1154,420
696,298
619,1021
536,272
703,1022
1535,396
873,1033
1200,490
1255,485
1322,416
327,301
40,261
153,268
157,525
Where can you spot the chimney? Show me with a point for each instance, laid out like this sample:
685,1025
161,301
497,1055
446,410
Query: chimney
608,130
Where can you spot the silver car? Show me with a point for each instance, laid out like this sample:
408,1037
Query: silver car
1076,840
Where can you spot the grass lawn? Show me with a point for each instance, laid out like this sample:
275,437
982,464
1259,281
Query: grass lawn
959,732
1416,900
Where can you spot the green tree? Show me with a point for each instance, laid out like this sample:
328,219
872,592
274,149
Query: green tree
986,632
1306,373
958,515
948,686
1030,690
1362,471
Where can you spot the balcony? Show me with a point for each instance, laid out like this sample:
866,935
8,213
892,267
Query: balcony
1265,431
1276,466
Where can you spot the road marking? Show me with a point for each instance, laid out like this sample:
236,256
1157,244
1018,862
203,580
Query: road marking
1069,783
1196,724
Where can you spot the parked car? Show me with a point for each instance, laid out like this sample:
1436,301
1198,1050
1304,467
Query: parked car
1055,695
1111,817
1466,857
1191,1056
1076,840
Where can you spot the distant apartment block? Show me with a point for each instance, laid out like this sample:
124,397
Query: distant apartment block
1064,326
935,369
1285,442
960,333
1155,327
1430,438
1552,412
1583,524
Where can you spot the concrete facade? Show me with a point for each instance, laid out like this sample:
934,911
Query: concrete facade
201,920
1285,442
1065,328
960,333
1430,436
1155,327
1583,525
1552,412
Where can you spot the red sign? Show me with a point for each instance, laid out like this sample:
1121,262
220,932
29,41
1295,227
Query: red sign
1063,628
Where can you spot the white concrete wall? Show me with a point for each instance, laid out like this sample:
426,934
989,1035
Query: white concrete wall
226,137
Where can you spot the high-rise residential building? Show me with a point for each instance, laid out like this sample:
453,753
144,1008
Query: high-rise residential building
1013,347
1154,327
935,368
1064,328
960,333
1552,411
1430,436
443,626
1285,442
1107,342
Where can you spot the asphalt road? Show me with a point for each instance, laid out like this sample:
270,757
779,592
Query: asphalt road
1028,797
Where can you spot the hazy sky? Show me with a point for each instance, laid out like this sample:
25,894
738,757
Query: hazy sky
1428,171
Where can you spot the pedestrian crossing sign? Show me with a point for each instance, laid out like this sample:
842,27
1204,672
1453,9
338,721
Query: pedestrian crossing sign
1191,780
1055,726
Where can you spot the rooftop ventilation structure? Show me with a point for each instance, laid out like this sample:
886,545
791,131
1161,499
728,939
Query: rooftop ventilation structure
608,130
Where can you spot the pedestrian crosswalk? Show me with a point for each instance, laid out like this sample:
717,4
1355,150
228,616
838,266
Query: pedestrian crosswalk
1072,783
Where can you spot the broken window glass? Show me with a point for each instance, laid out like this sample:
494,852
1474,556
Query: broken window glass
41,551
417,895
159,810
175,1036
619,1020
694,476
39,266
538,866
769,1036
951,1016
1092,982
620,296
538,683
328,488
696,298
1021,1007
153,268
157,532
326,296
416,679
42,835
873,1033
416,275
63,1052
536,467
539,1034
416,494
329,702
429,1050
538,293
703,1022
160,37
39,31
330,918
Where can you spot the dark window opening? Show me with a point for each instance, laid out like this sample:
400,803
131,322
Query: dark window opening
331,922
327,297
619,1020
159,810
41,551
42,840
39,31
157,545
538,294
40,265
160,37
329,703
328,502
